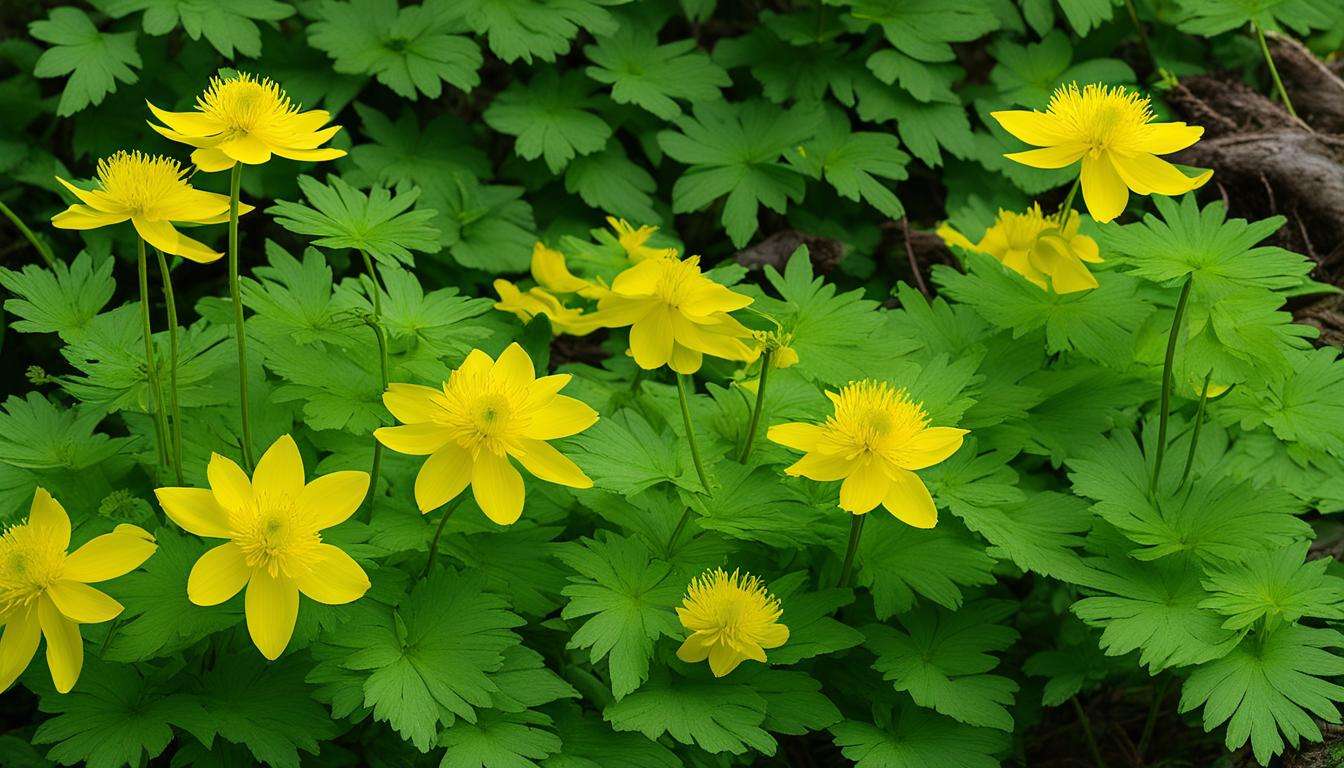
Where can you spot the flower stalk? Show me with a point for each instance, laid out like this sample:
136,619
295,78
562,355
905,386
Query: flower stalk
151,370
1062,216
1194,435
1165,414
1274,71
755,422
684,398
235,183
176,424
434,543
855,532
375,295
28,234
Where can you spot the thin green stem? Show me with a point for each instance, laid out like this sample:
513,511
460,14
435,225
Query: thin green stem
1273,70
1084,721
1143,34
176,424
676,532
40,246
235,183
1165,414
375,293
760,405
1063,212
855,531
434,543
1150,724
1194,435
151,370
690,429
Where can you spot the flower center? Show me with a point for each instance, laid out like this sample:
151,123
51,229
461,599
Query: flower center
734,608
1103,119
30,561
245,103
273,536
139,181
676,281
873,416
482,413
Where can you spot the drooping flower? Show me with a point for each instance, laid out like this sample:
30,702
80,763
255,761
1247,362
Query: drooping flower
635,241
551,273
1034,246
676,315
1111,130
488,414
273,523
526,305
152,192
45,592
246,119
731,619
875,440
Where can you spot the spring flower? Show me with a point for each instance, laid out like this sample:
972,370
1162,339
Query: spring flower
874,441
488,412
538,301
634,241
1032,245
245,119
731,619
551,273
274,525
676,314
152,192
45,592
1111,130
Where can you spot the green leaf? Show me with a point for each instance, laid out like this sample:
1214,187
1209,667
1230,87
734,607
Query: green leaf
927,129
653,76
485,227
942,659
427,157
1085,15
1269,689
590,743
436,322
609,181
923,29
897,561
1277,585
1028,74
499,740
734,150
792,72
923,81
1214,17
378,223
794,703
227,26
812,631
625,454
412,50
630,597
550,117
62,300
753,505
851,163
296,300
525,682
95,61
715,715
1305,406
911,737
521,29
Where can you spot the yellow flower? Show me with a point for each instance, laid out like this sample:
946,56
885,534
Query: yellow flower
537,301
676,314
874,441
1033,246
273,523
487,411
46,592
634,241
1112,131
550,272
152,192
731,619
245,119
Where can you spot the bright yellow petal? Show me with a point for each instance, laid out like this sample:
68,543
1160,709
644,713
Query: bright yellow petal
544,461
641,279
796,435
110,555
864,488
442,477
84,217
331,499
952,238
211,160
1067,272
195,510
18,645
498,488
272,605
81,603
708,297
189,123
412,403
280,470
194,206
97,199
232,489
909,500
651,338
1147,174
695,649
247,148
1103,190
821,466
334,579
550,271
310,155
773,636
1049,157
684,359
162,235
47,514
65,648
712,338
514,367
929,447
1165,138
477,363
562,416
1036,128
218,575
723,659
419,439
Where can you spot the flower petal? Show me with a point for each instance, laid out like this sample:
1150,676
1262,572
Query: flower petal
1036,128
864,488
280,470
309,155
18,645
65,648
189,123
334,579
685,360
272,605
561,417
1165,138
1067,272
772,635
723,659
1059,156
543,460
641,279
823,467
163,236
651,337
442,477
218,575
247,148
211,159
81,603
110,555
909,500
195,510
930,446
232,489
413,403
1103,190
84,217
1147,174
797,435
514,367
694,649
418,439
47,514
331,499
498,488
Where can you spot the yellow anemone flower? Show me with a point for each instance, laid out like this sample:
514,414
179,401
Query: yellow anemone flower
731,619
676,315
634,241
152,192
1034,246
551,273
1111,130
273,524
45,592
537,301
874,441
486,413
245,119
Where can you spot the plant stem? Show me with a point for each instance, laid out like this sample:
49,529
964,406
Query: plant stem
375,293
676,532
690,430
1063,212
760,405
1194,435
1154,708
1143,34
1087,732
40,246
855,531
235,182
176,425
151,370
1166,382
434,544
1274,71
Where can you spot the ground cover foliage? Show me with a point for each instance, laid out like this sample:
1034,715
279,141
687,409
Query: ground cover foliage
1080,513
